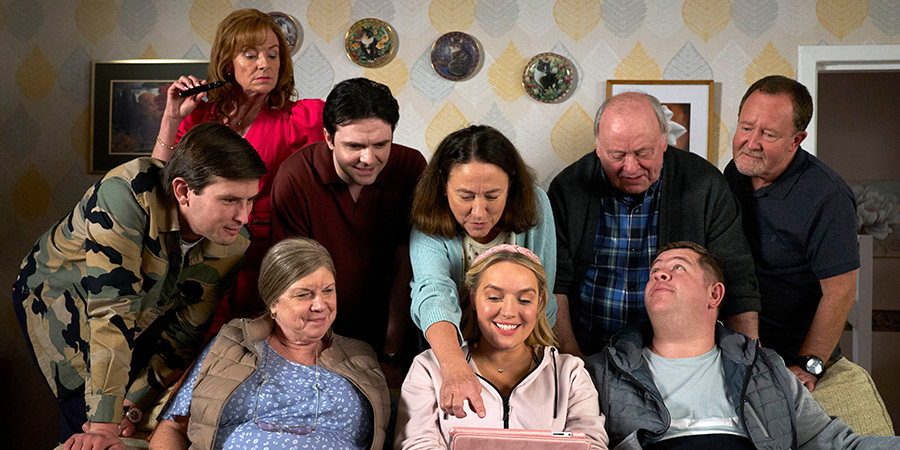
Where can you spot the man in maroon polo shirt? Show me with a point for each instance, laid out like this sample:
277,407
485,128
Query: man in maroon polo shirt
352,194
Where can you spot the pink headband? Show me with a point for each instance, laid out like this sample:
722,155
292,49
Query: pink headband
508,248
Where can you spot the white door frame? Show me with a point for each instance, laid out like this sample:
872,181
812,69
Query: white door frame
813,59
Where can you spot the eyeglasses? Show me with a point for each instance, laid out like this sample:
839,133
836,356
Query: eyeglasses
275,428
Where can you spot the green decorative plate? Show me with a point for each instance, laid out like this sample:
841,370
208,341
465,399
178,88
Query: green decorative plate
549,78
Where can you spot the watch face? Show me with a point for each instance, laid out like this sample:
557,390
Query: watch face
133,415
814,365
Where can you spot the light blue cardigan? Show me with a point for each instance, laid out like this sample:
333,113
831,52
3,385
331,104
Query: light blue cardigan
437,264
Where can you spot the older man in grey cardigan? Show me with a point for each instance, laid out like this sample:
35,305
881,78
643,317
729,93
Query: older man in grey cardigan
615,206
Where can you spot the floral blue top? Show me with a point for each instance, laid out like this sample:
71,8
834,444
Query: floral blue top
282,394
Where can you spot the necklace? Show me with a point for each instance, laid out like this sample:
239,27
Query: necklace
499,370
247,113
485,359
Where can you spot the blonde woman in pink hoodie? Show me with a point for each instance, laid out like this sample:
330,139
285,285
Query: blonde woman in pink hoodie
525,382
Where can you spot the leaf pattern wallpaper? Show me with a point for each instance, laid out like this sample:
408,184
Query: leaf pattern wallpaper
47,48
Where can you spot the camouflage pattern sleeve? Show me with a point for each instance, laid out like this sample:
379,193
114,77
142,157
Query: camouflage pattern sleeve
183,334
115,230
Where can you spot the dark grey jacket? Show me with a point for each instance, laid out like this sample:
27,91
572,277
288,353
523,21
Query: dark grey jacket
774,408
695,205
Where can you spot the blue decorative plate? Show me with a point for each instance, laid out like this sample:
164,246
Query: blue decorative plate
292,30
455,56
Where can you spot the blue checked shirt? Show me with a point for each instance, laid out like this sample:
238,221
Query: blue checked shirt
612,294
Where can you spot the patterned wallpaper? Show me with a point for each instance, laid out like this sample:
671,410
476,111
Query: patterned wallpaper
47,48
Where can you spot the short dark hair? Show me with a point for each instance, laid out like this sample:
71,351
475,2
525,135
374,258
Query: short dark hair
359,98
800,98
709,262
430,210
211,150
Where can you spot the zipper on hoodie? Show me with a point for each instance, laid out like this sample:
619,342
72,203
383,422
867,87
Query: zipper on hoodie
506,410
505,398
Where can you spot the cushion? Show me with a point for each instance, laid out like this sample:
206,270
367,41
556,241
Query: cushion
848,392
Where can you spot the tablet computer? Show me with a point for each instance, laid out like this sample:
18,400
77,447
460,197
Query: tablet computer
465,438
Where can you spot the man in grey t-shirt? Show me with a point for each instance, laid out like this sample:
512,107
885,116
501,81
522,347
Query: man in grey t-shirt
652,398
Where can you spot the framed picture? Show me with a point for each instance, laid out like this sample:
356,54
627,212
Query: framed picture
127,102
688,105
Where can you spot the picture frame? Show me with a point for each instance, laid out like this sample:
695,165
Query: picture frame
688,103
128,98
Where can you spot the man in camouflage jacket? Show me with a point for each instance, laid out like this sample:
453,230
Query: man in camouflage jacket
116,297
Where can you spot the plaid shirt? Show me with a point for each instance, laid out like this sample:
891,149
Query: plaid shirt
612,295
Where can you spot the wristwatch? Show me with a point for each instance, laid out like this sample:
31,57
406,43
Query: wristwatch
133,414
394,360
812,365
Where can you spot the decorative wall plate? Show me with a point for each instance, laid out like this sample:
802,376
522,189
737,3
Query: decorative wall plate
291,28
370,43
455,56
549,78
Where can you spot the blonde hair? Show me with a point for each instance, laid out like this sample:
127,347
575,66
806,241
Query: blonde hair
542,334
243,29
288,261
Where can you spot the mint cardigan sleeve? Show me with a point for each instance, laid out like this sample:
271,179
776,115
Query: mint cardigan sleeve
437,267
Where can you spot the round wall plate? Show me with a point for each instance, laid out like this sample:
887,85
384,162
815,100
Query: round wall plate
370,43
456,56
549,78
291,28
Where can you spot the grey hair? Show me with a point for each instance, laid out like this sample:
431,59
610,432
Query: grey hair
288,261
632,96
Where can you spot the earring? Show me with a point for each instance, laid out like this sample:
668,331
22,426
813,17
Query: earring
273,314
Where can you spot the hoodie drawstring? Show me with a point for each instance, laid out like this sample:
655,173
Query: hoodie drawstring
555,382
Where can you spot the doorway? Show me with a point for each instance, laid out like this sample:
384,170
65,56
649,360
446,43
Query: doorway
854,130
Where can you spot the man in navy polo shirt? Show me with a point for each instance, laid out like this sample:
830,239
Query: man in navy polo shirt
800,219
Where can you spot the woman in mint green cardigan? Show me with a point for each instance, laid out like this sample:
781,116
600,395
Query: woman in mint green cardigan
475,193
